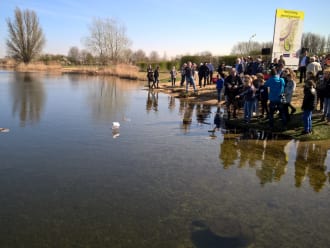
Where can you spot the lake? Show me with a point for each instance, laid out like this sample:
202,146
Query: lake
68,179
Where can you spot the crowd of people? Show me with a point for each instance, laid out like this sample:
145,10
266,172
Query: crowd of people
262,90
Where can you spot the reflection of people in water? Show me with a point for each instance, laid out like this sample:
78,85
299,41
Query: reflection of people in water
152,101
202,113
310,162
171,103
269,157
217,120
149,102
187,116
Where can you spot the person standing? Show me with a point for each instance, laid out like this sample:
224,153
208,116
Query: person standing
183,73
281,60
276,88
156,78
189,72
303,62
326,94
222,69
239,66
249,95
308,105
233,86
289,89
219,85
211,70
150,76
263,97
202,72
313,66
173,76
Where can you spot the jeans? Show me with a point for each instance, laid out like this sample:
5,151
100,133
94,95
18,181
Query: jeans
219,94
256,106
326,105
190,80
264,107
307,119
248,106
273,106
302,72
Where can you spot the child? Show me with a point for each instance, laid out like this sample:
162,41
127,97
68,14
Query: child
308,105
173,76
219,86
263,97
289,89
249,98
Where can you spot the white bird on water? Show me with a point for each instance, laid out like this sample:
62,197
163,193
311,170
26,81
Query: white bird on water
115,125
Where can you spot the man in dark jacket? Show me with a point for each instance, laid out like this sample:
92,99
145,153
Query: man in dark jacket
303,62
203,72
233,86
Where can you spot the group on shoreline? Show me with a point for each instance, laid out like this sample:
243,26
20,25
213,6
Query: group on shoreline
261,94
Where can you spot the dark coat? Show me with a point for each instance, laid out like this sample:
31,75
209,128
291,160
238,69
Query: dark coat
309,101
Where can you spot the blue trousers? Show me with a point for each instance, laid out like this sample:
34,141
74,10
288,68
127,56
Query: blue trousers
307,119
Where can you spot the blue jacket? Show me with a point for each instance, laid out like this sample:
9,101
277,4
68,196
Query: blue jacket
220,83
276,88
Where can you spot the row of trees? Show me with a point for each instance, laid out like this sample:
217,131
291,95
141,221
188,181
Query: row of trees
315,43
108,43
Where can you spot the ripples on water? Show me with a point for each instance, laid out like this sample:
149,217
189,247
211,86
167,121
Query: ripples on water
172,175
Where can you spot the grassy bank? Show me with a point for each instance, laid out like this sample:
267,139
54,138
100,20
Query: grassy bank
294,128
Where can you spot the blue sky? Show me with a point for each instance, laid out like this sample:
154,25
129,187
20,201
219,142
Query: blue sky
174,27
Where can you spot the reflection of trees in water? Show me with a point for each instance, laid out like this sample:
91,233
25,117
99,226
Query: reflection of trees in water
28,96
152,101
229,152
273,164
269,159
107,96
266,156
310,162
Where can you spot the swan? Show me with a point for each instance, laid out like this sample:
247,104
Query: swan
115,125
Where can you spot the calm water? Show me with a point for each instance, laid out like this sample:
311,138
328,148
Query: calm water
68,180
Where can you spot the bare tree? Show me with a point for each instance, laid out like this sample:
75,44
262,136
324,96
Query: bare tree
26,38
327,45
74,55
86,57
139,56
107,40
154,56
314,42
247,48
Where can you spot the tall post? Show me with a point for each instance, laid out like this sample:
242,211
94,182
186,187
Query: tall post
252,36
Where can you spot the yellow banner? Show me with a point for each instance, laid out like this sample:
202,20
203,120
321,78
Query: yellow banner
284,13
287,36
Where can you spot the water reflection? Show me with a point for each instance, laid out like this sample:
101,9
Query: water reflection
310,163
171,103
107,97
187,110
269,156
152,101
28,97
